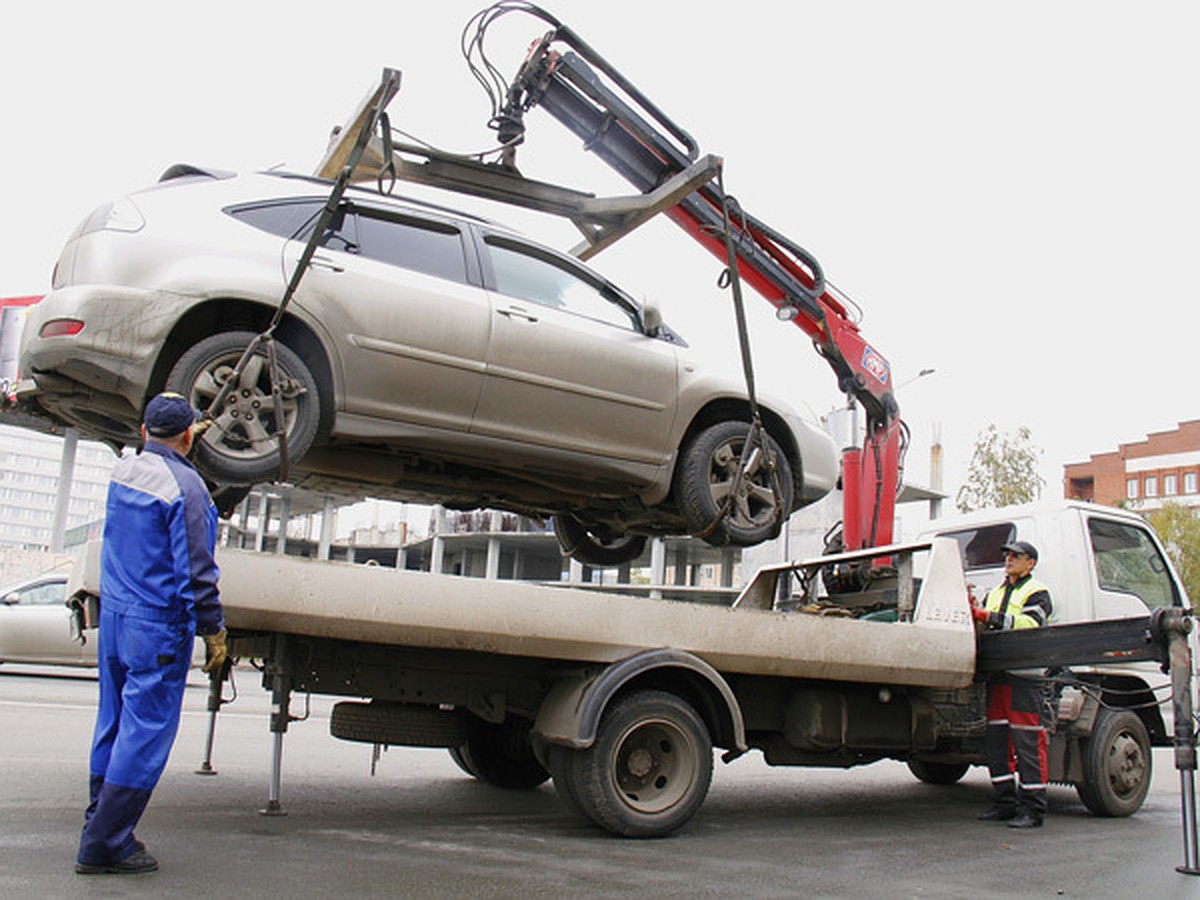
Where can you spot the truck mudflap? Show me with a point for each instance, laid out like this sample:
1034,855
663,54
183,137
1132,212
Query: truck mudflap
570,714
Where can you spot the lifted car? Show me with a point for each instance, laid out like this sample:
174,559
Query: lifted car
427,356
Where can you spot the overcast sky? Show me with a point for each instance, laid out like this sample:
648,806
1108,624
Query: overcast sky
1009,190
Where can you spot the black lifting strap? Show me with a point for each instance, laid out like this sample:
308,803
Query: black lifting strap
731,278
266,340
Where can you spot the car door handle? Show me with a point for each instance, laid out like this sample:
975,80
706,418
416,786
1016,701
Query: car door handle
321,262
515,312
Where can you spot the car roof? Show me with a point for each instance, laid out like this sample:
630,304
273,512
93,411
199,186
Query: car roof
354,192
45,577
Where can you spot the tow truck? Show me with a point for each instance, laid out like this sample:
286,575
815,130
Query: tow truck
864,653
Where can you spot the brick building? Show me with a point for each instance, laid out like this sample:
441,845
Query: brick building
1144,474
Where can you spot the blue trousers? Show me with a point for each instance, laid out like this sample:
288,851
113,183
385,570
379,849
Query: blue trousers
143,671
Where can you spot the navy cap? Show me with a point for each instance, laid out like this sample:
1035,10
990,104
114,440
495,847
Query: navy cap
1022,547
169,414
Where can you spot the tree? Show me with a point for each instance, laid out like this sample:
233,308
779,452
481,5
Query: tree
1179,530
1003,471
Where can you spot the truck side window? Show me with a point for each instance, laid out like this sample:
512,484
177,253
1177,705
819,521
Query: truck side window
1127,560
980,548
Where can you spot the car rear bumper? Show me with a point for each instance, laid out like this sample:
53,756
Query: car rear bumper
99,377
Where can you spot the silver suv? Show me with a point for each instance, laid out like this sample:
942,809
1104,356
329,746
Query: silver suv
427,356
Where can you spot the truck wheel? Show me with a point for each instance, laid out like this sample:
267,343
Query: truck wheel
556,758
647,772
1116,764
500,755
596,547
241,448
936,772
705,480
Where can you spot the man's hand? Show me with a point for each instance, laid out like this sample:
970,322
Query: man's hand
214,652
979,614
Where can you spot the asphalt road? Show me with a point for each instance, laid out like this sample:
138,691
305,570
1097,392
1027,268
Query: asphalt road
420,828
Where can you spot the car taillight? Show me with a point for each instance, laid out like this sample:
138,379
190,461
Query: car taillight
60,328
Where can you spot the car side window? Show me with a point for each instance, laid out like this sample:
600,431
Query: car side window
48,594
432,248
1128,560
548,281
287,220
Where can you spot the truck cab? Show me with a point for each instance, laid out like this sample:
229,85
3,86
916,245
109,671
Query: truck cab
1100,563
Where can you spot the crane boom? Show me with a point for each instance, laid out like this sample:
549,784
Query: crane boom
640,143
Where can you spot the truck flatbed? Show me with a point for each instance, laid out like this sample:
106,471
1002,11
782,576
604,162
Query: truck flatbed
420,610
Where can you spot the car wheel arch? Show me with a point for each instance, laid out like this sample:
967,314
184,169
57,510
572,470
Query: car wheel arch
231,314
739,409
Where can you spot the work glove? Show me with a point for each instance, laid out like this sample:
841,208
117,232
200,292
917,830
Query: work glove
980,615
214,652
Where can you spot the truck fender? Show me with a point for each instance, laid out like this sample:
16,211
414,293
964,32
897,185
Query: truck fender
570,714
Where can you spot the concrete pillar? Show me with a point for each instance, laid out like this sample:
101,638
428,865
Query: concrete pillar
401,557
327,521
285,508
575,571
728,561
264,514
681,565
492,567
62,500
243,521
518,565
658,565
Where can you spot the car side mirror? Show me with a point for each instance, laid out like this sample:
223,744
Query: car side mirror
651,318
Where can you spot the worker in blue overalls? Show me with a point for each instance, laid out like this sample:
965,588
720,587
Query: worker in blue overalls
158,589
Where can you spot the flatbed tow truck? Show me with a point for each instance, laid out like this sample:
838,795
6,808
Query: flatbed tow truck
864,653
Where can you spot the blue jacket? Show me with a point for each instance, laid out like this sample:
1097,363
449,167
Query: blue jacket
159,533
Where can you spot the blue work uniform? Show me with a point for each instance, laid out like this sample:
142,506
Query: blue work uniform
158,589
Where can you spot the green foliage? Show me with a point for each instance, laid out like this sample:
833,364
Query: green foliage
1179,530
1003,471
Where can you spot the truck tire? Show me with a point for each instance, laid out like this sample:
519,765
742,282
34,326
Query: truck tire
500,755
594,547
398,724
556,759
647,772
705,477
937,772
240,448
1117,765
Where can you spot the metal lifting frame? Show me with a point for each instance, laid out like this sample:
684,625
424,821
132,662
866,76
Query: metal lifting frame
663,162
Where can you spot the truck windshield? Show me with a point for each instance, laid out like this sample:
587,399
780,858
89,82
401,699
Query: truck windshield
1127,560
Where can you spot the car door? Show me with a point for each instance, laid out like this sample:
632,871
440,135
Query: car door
35,624
569,366
398,294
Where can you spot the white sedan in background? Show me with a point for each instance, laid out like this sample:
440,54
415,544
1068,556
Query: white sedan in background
36,625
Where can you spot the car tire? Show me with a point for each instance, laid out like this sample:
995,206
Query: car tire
240,448
596,548
705,478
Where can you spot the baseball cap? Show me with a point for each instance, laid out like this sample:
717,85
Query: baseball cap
168,414
1022,547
